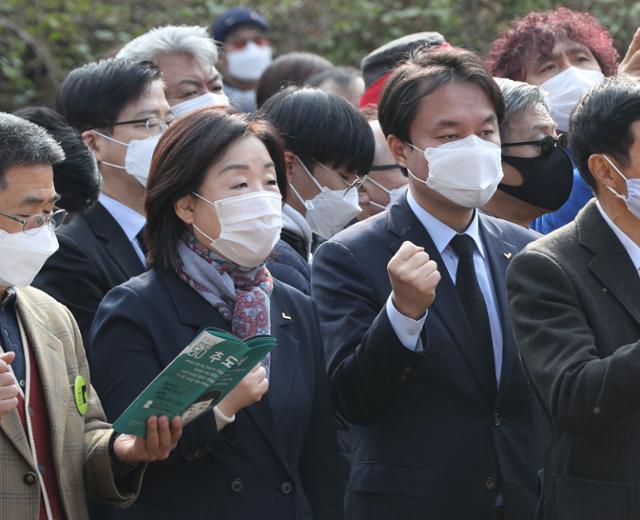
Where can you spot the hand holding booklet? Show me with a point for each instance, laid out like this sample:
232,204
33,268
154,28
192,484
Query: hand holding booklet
197,379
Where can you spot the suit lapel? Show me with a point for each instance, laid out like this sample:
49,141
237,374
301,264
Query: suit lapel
283,369
11,426
611,263
117,244
499,254
446,306
195,311
47,355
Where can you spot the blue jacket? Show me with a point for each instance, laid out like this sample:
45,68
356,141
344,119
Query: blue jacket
278,460
428,441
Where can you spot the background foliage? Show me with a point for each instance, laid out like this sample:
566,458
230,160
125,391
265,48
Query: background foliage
41,40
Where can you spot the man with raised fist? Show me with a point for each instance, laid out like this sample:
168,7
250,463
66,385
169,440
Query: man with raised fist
415,323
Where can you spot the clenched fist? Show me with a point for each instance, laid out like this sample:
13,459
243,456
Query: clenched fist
414,278
9,388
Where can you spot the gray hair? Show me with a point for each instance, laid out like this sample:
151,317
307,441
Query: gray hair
518,97
23,143
173,39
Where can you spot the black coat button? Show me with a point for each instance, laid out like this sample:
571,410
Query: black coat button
490,483
199,454
236,485
286,488
30,478
496,419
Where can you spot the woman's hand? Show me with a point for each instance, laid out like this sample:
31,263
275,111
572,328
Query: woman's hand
162,437
248,391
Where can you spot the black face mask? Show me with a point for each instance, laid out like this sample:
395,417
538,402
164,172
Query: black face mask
546,181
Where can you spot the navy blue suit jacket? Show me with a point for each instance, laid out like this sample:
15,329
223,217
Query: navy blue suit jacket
278,460
427,441
95,255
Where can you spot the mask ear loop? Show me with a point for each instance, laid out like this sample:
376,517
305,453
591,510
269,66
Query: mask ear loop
619,173
119,167
313,179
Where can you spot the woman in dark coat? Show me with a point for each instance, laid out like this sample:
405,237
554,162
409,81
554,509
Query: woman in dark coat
268,450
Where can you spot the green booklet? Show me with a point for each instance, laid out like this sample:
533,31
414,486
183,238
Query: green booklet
197,379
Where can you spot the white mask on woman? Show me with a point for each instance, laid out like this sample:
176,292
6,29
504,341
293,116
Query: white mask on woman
22,255
466,171
563,92
330,210
250,226
137,161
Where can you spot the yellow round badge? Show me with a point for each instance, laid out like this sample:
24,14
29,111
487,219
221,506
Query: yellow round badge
81,395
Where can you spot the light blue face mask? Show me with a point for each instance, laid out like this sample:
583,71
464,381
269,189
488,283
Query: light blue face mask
632,200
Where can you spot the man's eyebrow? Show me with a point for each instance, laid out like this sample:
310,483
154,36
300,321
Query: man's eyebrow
31,200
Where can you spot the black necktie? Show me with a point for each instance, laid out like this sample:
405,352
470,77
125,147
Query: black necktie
474,306
141,241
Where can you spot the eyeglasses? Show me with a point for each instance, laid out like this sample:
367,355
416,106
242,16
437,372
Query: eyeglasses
359,181
31,224
546,144
153,125
241,43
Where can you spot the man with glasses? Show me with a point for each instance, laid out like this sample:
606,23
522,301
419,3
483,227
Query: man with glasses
119,106
55,446
246,53
538,173
386,182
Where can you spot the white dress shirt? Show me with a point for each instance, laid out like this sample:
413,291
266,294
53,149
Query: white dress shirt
129,220
407,329
630,246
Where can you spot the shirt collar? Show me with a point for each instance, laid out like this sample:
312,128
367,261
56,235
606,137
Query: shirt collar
441,233
9,299
631,247
129,220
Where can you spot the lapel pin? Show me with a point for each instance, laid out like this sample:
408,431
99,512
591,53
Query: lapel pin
286,316
508,255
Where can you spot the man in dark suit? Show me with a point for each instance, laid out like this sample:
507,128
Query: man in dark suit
414,316
120,108
575,301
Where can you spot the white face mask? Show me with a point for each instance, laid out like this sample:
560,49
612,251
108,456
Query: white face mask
137,161
394,194
632,200
330,210
250,226
22,256
563,92
466,171
209,99
249,63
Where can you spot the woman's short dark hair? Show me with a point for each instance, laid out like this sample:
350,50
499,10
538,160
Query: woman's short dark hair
94,95
323,127
602,123
421,75
76,179
291,69
181,160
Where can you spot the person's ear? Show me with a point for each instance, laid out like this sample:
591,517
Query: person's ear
399,149
92,141
290,162
184,208
602,171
